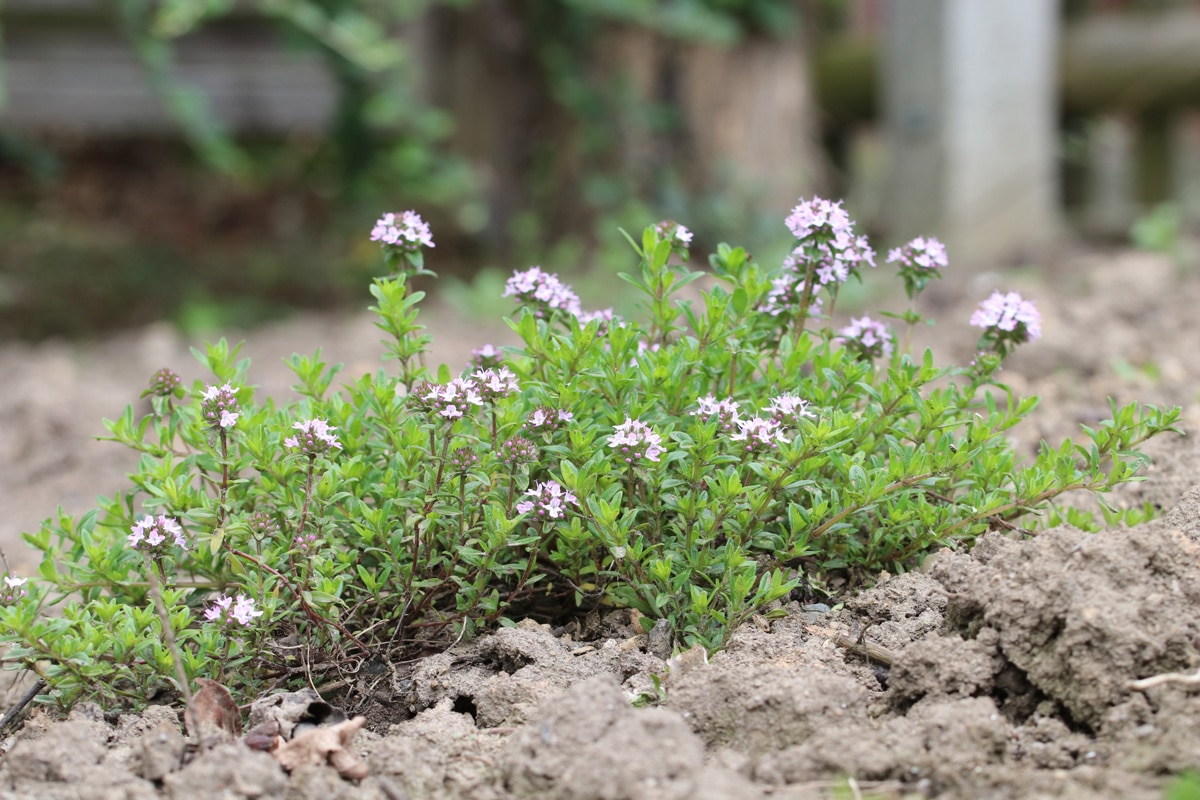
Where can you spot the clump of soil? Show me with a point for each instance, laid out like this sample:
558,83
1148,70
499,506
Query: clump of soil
1001,672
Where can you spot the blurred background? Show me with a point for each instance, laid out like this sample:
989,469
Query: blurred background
220,162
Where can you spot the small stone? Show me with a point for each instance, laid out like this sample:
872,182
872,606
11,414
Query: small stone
661,639
161,751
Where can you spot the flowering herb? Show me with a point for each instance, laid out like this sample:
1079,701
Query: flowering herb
155,534
164,383
866,338
218,406
634,440
550,500
918,262
542,292
695,464
232,611
486,357
12,590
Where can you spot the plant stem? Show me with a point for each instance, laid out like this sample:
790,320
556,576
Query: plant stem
224,491
168,632
312,459
305,606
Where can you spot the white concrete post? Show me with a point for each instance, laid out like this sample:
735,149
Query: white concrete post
970,110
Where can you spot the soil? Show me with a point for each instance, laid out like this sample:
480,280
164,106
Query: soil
1001,672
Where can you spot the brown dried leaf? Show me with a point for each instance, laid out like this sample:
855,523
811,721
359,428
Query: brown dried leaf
329,743
264,736
213,712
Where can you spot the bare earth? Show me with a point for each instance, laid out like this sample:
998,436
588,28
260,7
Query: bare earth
999,673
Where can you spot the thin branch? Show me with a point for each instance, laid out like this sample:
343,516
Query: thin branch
25,700
1186,678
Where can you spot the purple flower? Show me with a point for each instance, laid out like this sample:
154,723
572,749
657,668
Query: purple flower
486,357
262,525
726,411
547,420
543,291
818,216
462,459
163,383
516,451
494,384
448,400
867,338
217,406
759,434
604,315
826,244
549,500
1017,319
920,261
786,294
635,440
315,437
670,229
13,589
921,253
151,533
227,610
788,408
405,231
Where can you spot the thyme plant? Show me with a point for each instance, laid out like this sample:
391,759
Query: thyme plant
696,464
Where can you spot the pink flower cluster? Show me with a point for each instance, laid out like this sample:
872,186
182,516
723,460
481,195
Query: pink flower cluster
920,253
542,290
867,338
1009,316
163,383
13,590
786,294
678,234
151,533
486,357
516,451
227,610
759,434
493,384
313,437
405,231
549,501
787,409
827,239
604,315
726,411
217,406
449,400
547,420
635,440
818,216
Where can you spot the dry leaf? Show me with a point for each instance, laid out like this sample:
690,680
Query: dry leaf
264,736
326,744
213,712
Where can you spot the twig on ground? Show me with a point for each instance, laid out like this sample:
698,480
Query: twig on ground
1186,678
869,650
25,700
